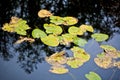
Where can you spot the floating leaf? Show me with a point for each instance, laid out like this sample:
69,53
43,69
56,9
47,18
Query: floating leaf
22,39
85,28
108,47
79,41
56,20
16,25
70,20
57,58
75,31
104,62
101,55
50,40
93,76
51,28
100,37
116,64
37,33
44,13
80,53
74,62
58,70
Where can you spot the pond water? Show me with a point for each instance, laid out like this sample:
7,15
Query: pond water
26,61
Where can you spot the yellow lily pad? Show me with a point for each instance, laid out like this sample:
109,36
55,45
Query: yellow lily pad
57,58
44,13
50,40
70,20
58,70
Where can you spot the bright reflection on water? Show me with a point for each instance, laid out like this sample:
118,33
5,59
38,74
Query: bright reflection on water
26,61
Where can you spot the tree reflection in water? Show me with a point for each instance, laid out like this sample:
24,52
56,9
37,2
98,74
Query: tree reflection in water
103,16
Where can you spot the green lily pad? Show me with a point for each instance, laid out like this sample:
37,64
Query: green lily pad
70,20
74,62
85,28
37,33
75,31
17,25
80,53
79,41
93,76
100,37
50,40
52,28
56,20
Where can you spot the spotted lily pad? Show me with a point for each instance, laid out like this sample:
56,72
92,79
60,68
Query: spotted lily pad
44,13
52,28
93,76
50,40
79,41
100,37
37,33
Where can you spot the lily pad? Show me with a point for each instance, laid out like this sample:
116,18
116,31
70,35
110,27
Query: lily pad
100,37
93,76
17,25
74,62
57,58
56,20
44,13
37,33
75,31
58,70
80,53
50,40
70,20
52,28
79,41
85,28
108,47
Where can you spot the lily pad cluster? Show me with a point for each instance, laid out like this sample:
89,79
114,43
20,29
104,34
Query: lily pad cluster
17,25
58,60
107,58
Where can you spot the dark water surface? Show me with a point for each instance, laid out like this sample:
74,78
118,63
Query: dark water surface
26,61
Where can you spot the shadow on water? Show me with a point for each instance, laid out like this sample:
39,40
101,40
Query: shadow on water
103,15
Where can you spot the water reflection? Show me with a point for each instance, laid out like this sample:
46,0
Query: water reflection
102,15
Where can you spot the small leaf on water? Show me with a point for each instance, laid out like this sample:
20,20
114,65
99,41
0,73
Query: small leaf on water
93,76
37,33
50,40
79,41
52,28
44,13
100,37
